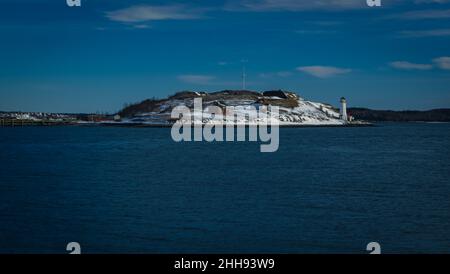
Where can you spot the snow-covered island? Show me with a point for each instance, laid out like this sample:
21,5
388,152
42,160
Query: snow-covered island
293,109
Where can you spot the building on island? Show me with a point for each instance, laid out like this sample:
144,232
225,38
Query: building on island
280,94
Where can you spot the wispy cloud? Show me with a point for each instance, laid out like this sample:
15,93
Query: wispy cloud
410,66
197,79
282,74
292,5
145,13
326,23
431,1
323,71
313,32
424,33
422,14
142,26
442,62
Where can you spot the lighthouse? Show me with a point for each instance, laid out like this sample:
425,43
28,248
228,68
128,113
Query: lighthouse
344,109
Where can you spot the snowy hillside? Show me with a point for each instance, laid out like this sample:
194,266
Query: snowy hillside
293,110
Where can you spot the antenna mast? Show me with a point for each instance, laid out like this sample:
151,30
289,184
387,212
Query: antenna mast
244,75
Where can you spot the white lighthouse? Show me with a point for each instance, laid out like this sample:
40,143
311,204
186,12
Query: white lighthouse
344,109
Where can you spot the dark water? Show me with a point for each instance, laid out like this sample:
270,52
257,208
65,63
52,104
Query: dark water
135,190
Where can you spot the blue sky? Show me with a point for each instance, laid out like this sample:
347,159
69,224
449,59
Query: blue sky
96,57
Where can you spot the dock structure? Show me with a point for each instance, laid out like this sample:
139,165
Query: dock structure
8,122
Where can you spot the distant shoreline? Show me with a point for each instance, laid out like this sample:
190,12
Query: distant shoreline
8,119
281,126
138,125
370,115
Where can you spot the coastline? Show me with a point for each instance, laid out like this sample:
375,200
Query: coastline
239,125
144,125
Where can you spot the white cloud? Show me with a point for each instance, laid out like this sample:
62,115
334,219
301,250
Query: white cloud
442,62
410,66
293,5
424,33
323,71
143,13
197,79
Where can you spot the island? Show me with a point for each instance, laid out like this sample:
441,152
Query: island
293,111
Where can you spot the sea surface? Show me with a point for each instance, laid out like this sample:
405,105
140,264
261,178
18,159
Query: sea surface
134,190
